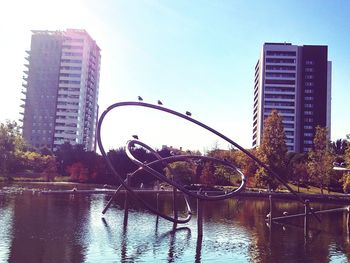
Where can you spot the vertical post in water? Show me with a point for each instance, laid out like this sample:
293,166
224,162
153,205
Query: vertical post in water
157,199
126,204
200,218
348,221
306,217
174,207
270,214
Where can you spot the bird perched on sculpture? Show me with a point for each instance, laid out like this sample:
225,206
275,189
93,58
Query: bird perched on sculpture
159,102
140,98
135,137
188,113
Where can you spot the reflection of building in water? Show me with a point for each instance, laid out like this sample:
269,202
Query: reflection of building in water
6,228
47,229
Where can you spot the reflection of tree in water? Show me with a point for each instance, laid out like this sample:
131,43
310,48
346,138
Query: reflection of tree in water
288,238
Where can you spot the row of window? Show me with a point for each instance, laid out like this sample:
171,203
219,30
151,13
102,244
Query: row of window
71,60
80,40
279,103
41,131
42,124
70,81
67,110
280,75
280,60
280,81
75,54
281,53
72,47
70,75
68,96
70,68
279,67
284,89
268,110
278,96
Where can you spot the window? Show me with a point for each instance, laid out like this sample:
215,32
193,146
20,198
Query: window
307,142
289,133
288,125
309,70
309,62
309,76
309,91
308,105
308,119
308,134
288,118
309,98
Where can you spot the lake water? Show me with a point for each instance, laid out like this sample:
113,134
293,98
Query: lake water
70,228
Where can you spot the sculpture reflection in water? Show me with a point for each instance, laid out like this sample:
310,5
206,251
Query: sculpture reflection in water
176,249
201,194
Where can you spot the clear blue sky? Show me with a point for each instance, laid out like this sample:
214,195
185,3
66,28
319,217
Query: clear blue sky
193,55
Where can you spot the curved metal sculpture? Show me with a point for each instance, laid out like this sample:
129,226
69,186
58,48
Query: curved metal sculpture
201,195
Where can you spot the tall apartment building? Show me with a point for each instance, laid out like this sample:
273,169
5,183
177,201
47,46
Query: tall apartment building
296,81
61,89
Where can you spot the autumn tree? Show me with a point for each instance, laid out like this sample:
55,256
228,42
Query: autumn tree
246,164
272,151
320,164
346,176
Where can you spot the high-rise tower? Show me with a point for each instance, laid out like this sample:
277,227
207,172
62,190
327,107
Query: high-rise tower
296,81
61,89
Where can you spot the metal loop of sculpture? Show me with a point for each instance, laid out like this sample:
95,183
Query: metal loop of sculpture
202,195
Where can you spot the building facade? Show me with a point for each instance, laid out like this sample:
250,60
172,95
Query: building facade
296,81
61,86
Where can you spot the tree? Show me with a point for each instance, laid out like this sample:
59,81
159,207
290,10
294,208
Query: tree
297,168
346,176
245,164
181,171
321,159
347,152
11,143
339,146
272,151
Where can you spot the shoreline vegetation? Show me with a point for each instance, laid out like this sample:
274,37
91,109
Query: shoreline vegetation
311,193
